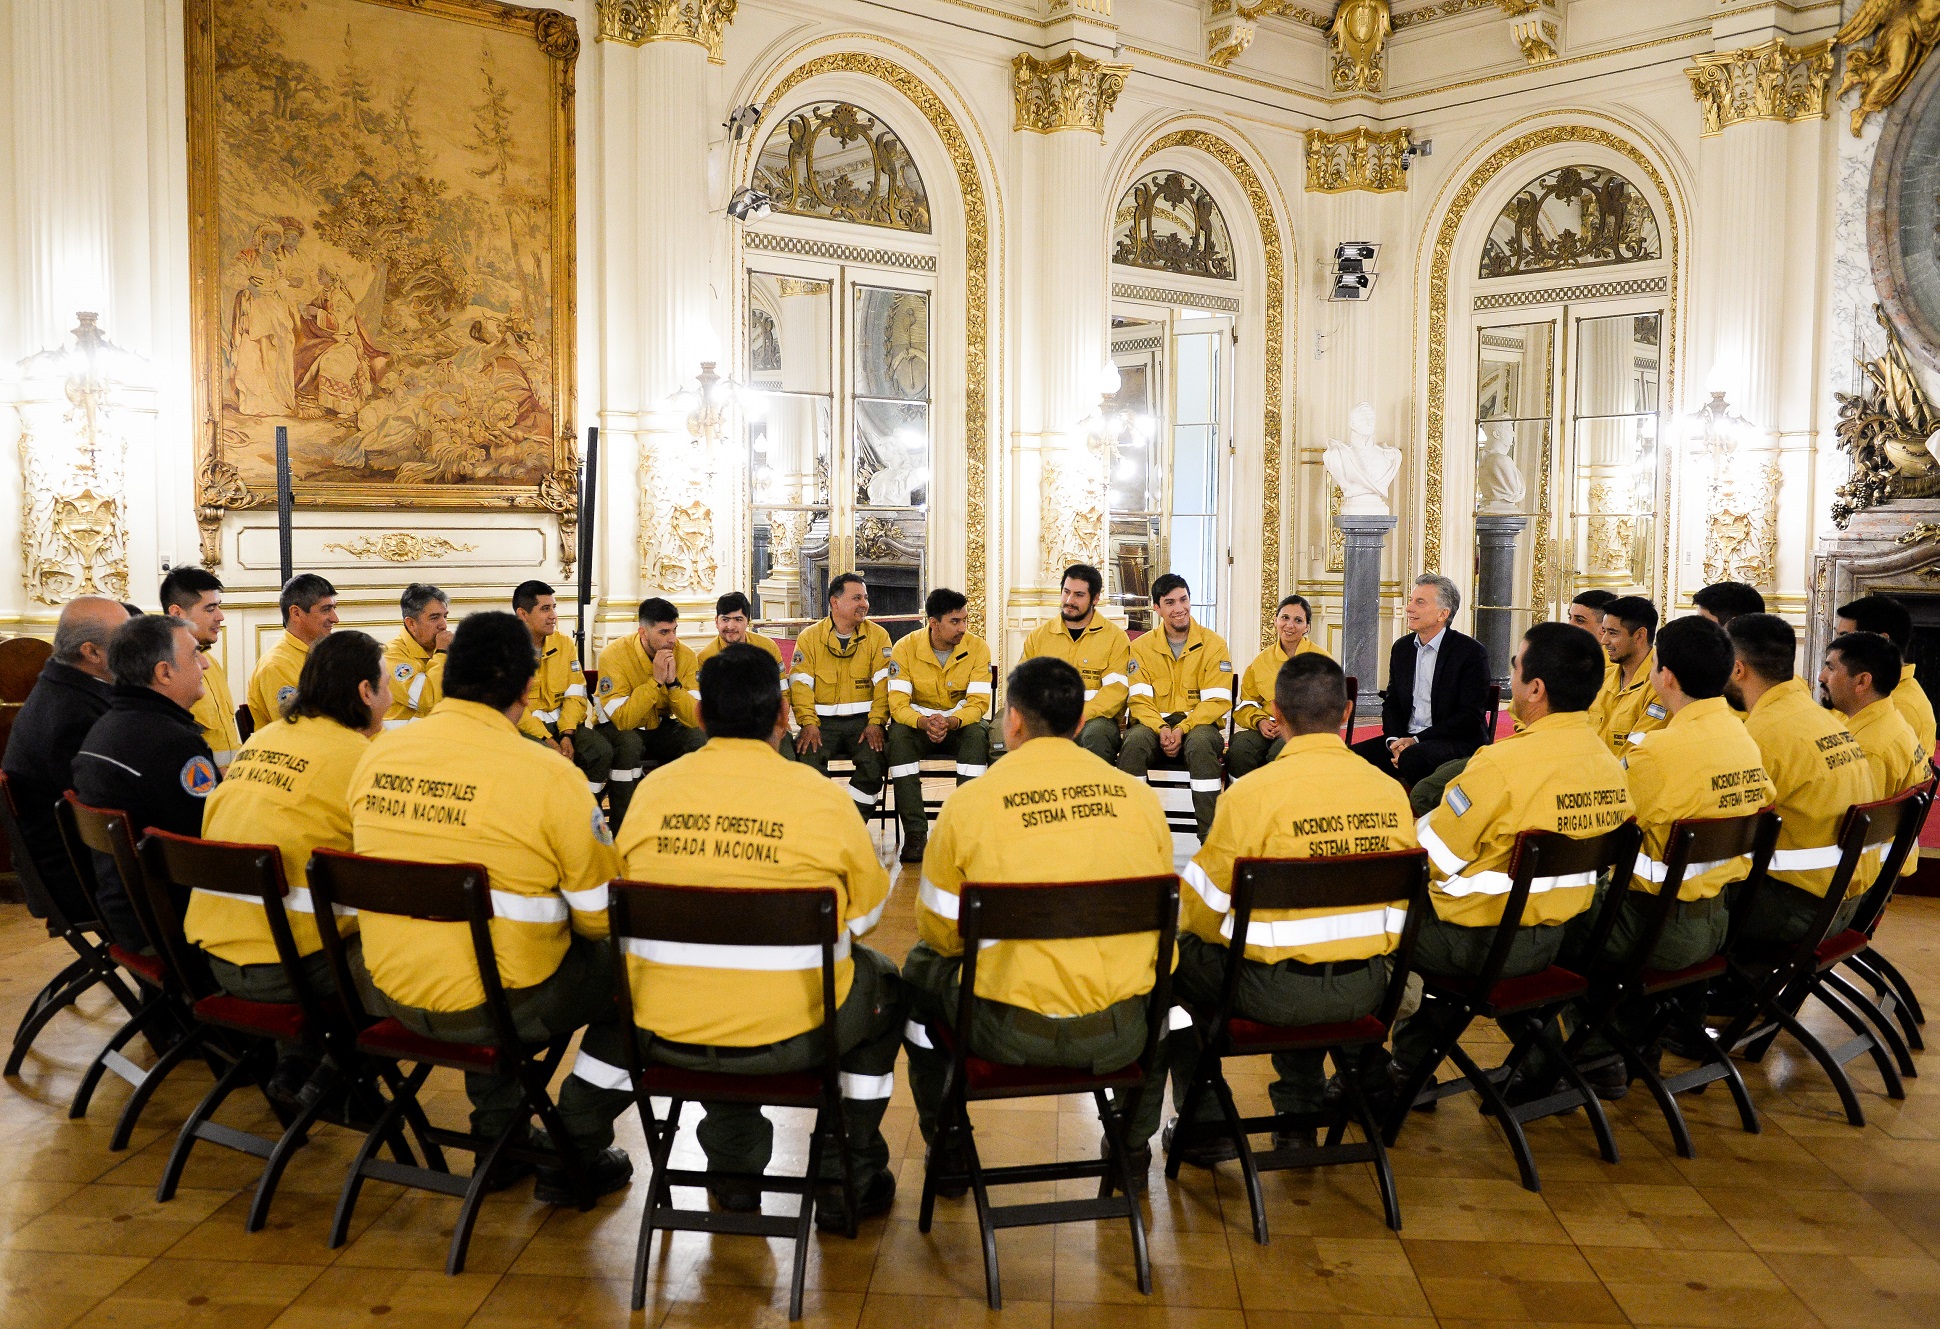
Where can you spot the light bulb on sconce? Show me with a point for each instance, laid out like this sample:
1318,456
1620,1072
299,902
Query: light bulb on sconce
1109,380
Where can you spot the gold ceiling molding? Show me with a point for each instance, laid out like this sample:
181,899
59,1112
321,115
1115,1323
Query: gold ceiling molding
1447,9
978,273
1534,28
1358,45
1073,91
1231,24
1438,281
637,22
1365,159
1265,218
1903,32
1772,81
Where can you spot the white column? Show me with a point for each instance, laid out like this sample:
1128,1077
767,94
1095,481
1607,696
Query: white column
669,520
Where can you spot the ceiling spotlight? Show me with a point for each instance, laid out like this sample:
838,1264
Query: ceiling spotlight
1356,256
741,121
749,205
1352,286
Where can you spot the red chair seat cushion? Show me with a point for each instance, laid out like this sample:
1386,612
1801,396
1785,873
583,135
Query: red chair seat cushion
1251,1036
388,1038
1665,980
792,1089
1553,984
147,967
1839,946
991,1079
271,1019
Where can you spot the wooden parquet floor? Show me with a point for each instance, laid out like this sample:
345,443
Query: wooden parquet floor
1810,1223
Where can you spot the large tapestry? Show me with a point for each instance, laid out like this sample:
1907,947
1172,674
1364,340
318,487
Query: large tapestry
381,218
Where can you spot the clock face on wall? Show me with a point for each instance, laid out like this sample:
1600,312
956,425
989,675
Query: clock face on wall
1903,216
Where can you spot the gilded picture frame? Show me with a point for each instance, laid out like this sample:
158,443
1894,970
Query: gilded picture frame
382,255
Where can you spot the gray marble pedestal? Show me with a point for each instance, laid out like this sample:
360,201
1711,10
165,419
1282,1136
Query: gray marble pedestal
1366,538
1495,590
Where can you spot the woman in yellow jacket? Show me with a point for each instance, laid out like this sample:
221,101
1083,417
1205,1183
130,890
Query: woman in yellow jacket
1257,736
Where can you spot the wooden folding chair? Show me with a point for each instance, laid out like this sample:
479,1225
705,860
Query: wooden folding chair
1774,991
165,1008
1893,995
245,722
178,864
91,966
1374,883
1532,1000
458,894
644,915
1062,912
1694,845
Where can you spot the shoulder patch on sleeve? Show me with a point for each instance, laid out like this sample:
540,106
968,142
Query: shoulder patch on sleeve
894,669
600,829
606,684
401,673
283,694
1225,666
1131,666
1456,799
199,777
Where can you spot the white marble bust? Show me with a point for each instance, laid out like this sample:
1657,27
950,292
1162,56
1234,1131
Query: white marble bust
1498,479
1363,469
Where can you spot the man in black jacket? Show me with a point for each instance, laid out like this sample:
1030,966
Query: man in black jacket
72,692
1438,688
146,757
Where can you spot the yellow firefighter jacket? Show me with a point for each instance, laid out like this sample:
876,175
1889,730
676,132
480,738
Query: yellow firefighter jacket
828,680
417,679
1701,764
1256,685
1818,771
1101,653
919,686
1197,685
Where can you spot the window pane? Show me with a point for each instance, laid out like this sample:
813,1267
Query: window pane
892,454
1193,540
1194,468
790,413
892,344
1196,375
1617,365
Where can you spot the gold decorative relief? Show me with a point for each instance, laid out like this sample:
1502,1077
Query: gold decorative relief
1357,45
1902,33
1612,535
1073,91
1442,257
1741,525
401,547
840,162
1769,82
1169,222
1449,9
73,449
1228,33
1357,159
1574,217
800,286
978,260
1071,508
1271,425
637,22
1536,37
1883,428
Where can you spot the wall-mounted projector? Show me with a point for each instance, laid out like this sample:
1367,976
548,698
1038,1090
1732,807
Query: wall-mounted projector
1354,274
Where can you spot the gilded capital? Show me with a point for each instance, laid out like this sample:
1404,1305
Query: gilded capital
1769,82
1071,92
1357,159
1358,45
637,22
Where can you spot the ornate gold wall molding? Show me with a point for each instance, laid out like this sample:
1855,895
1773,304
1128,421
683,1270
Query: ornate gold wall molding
1358,45
679,542
1073,91
1443,256
1536,34
401,547
1072,508
1357,159
979,259
637,22
1271,430
1903,32
1772,81
1741,523
73,509
1449,9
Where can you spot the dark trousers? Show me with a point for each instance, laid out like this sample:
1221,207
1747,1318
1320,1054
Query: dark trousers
1099,737
578,994
634,748
1450,949
842,737
1249,751
1202,750
271,982
1287,993
905,748
1012,1036
1418,761
738,1137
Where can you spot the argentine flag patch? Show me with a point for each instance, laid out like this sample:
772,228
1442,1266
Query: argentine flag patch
1457,799
1655,711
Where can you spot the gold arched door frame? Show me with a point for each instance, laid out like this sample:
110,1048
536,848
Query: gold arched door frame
1272,437
1438,314
978,276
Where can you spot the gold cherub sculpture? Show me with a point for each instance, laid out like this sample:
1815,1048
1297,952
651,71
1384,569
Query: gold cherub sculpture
1903,31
